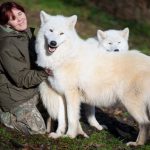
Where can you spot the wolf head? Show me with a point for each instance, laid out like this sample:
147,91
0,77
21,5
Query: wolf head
56,30
114,40
54,38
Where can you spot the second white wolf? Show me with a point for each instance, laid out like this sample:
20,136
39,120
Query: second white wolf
111,40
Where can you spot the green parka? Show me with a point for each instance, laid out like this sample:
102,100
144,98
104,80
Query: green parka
19,76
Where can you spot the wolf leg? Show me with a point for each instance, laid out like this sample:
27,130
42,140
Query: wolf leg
142,136
137,108
90,114
48,127
80,130
61,120
73,110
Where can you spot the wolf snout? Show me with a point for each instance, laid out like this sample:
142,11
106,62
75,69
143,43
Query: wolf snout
53,44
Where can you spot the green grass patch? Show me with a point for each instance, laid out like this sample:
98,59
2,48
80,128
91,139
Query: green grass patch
102,140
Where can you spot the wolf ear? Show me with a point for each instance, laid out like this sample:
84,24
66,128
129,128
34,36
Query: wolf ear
125,33
101,35
72,21
44,17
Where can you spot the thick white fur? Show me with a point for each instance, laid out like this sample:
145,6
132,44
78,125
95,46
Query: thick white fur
55,105
111,40
80,70
54,102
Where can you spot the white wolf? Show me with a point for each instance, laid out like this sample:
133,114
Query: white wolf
49,38
111,40
80,70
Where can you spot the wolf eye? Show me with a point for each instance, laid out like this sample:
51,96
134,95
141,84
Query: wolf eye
61,33
50,30
119,42
109,43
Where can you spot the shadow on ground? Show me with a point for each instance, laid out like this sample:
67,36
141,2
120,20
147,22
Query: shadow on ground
125,131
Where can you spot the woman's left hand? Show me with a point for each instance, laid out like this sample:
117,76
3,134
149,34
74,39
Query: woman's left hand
49,71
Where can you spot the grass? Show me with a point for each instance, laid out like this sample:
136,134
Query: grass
103,140
89,20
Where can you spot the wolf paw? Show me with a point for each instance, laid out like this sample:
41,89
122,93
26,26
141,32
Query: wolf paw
84,135
68,136
93,122
61,131
54,135
133,144
72,136
99,127
81,132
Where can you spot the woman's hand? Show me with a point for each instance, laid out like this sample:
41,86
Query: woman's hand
49,71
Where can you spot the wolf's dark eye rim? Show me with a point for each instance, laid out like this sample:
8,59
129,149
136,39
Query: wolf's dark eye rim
119,42
50,30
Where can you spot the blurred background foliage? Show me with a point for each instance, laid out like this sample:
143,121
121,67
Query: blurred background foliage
99,14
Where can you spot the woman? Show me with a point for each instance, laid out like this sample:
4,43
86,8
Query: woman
19,76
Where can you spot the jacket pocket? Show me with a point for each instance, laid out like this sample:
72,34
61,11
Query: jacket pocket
18,94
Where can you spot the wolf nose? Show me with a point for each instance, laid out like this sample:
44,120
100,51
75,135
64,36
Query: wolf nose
53,43
116,50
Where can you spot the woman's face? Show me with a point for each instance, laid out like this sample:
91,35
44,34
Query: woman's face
18,23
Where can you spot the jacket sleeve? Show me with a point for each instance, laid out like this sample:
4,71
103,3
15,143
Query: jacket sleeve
17,69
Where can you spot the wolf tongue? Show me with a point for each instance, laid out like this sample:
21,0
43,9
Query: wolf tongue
51,49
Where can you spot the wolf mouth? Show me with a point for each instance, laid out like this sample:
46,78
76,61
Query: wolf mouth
51,49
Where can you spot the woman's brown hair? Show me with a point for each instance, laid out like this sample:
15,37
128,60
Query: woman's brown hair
6,11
